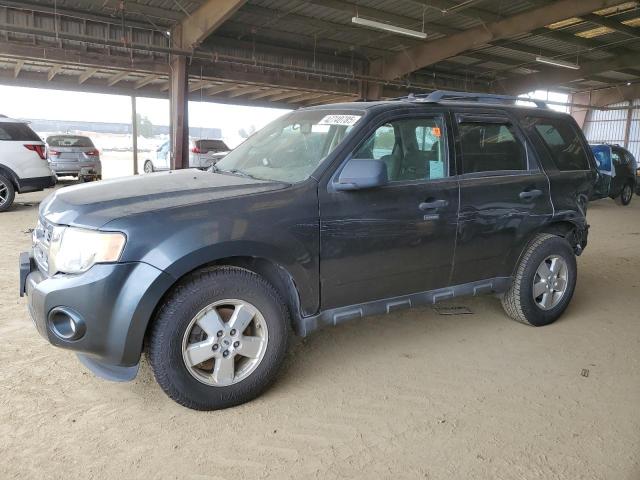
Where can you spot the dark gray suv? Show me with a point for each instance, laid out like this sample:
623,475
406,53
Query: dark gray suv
328,214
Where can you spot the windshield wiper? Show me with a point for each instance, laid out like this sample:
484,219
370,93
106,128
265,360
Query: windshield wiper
241,173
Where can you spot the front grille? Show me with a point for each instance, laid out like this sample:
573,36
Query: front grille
41,245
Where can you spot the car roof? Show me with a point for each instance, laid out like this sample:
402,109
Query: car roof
67,135
386,105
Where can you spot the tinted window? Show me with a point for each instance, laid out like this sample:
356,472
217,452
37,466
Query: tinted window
17,132
206,146
69,141
489,147
413,149
563,142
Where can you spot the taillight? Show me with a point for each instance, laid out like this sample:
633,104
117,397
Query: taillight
39,149
195,150
92,153
54,153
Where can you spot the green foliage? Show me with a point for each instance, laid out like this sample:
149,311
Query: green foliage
145,127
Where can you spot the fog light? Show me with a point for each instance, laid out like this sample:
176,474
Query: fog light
66,324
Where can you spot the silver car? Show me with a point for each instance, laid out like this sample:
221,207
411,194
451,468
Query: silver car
204,153
74,155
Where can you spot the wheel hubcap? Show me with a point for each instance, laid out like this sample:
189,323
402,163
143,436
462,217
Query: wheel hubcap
550,282
626,193
225,342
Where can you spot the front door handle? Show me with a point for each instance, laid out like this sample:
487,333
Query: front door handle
530,194
433,204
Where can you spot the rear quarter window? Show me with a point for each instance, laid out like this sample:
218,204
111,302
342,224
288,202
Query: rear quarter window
17,132
563,143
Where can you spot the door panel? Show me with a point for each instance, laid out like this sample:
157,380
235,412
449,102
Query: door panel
504,196
495,223
399,238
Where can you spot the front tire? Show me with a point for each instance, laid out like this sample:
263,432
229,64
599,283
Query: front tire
219,339
7,193
148,167
544,282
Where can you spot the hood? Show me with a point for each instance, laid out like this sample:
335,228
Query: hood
93,205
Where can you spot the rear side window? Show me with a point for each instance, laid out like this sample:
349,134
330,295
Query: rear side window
69,141
489,147
563,142
17,132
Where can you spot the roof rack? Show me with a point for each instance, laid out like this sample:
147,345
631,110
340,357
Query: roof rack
440,95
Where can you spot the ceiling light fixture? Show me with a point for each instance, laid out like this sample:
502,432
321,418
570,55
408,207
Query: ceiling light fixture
386,27
558,63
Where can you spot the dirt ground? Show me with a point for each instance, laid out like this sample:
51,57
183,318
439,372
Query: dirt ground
409,395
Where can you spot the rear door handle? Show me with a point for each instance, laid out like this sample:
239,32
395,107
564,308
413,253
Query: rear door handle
433,204
530,194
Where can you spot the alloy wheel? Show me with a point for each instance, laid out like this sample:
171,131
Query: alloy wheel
225,342
550,282
4,193
626,194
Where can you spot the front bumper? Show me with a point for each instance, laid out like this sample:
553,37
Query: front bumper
114,303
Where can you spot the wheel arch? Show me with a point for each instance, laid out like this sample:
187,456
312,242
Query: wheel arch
573,232
11,175
271,271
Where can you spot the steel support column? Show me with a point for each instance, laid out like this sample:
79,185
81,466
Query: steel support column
134,133
178,100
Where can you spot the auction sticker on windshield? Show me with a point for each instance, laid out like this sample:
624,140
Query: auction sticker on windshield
347,120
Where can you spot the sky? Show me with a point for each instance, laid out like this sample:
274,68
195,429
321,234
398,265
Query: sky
34,103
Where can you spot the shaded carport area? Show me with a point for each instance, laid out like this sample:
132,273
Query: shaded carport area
294,53
426,393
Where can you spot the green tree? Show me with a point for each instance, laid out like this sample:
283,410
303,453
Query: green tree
145,127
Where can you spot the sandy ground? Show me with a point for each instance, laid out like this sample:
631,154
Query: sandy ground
411,395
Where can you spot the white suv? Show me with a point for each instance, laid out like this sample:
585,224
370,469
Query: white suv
23,164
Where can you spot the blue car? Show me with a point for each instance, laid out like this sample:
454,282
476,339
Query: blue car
617,167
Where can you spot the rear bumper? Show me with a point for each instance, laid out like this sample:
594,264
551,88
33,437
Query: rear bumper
26,185
113,303
74,168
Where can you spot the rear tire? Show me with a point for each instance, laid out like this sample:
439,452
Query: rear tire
7,193
625,196
148,167
544,282
197,356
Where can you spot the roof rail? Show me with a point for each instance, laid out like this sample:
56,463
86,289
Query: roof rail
440,95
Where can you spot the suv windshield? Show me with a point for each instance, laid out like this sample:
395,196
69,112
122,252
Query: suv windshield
292,147
69,141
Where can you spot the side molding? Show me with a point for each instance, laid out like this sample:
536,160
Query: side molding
339,315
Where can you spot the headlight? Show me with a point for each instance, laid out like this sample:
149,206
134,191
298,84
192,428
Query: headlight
76,250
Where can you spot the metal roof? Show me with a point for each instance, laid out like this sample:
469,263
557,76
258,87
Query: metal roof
307,47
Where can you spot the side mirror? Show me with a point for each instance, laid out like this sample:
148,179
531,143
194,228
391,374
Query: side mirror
359,174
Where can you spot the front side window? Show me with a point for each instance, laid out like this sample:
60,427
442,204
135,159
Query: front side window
292,147
412,149
563,142
490,147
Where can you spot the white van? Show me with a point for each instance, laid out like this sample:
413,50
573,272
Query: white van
23,162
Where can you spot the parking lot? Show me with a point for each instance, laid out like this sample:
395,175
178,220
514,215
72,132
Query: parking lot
410,395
